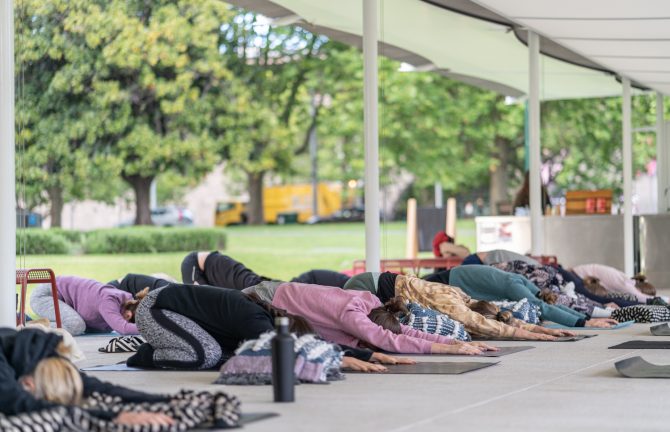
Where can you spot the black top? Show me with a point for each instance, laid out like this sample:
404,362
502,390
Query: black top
386,286
20,352
439,277
226,314
134,283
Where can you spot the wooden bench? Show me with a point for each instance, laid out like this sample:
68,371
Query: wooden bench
588,202
36,276
414,265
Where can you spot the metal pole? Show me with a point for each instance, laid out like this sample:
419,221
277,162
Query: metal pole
627,180
7,169
438,195
661,157
535,197
370,118
153,197
314,161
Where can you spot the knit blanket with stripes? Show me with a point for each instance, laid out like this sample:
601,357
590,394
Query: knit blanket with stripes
189,410
433,322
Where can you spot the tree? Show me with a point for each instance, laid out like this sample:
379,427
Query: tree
261,117
56,136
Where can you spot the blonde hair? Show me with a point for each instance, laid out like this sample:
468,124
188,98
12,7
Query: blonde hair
58,381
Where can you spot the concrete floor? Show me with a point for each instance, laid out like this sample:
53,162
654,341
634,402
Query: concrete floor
567,386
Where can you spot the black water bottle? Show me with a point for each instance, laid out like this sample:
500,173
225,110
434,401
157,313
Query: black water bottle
283,362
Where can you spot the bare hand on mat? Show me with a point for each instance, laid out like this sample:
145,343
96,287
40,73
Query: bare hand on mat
388,359
484,346
601,322
361,366
456,348
143,418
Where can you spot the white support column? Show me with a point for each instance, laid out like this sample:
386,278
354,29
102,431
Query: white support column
7,173
439,202
535,198
661,157
627,180
371,124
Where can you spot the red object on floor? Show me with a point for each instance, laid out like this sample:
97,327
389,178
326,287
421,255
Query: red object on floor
33,276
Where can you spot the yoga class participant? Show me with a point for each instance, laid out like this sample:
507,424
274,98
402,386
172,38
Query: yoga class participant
212,268
85,305
489,283
35,374
449,300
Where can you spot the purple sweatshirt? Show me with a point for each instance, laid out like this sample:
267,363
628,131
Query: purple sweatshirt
341,316
98,304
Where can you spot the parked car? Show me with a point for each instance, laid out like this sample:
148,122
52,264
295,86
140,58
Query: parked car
167,216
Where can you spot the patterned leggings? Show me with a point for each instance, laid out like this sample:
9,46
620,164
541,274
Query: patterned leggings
173,340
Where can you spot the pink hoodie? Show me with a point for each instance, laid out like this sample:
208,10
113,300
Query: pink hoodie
341,316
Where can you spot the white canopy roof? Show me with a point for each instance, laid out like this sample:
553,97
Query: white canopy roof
629,37
480,52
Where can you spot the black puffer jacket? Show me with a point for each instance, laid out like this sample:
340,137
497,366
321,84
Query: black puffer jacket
21,351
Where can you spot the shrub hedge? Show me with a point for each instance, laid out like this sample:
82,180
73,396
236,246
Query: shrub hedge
150,239
56,241
35,241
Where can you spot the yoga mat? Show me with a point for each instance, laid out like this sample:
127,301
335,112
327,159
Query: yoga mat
571,338
434,368
660,330
245,418
616,327
640,344
502,352
122,367
637,367
106,334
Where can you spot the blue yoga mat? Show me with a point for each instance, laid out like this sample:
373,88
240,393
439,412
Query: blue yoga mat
616,327
117,367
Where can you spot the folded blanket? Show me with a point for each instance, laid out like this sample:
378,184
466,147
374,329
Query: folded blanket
433,322
642,314
522,309
188,408
123,344
316,361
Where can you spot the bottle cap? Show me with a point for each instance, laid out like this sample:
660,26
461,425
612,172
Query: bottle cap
281,322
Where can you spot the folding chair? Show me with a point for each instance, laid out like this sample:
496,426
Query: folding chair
34,276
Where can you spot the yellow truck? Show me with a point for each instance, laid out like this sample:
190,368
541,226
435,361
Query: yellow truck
282,204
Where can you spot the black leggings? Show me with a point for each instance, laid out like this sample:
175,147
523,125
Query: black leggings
223,271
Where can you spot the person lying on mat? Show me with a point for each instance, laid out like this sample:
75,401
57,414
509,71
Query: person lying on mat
85,305
616,281
199,327
565,293
358,318
35,374
448,300
213,268
489,283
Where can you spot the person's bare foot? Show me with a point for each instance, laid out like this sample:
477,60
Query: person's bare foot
202,256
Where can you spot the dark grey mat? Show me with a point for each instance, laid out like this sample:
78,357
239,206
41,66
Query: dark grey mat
123,367
435,368
637,367
640,344
571,338
503,351
660,330
245,418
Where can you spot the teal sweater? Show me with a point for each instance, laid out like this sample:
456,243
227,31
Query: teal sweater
488,283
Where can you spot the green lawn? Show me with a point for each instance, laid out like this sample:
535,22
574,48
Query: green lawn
276,251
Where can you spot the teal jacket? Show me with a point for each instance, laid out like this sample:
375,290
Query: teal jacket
482,282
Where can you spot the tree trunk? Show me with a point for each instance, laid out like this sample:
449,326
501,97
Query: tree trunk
499,177
142,188
56,209
255,208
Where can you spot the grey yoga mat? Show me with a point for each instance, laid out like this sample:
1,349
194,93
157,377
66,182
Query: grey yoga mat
503,351
122,367
637,367
660,330
245,418
435,368
641,344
